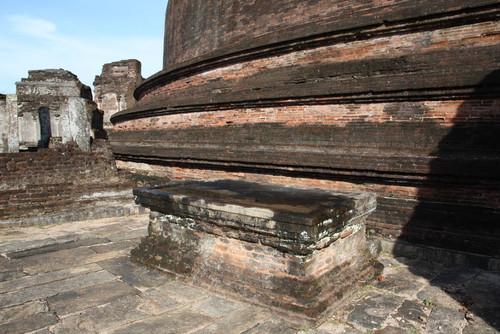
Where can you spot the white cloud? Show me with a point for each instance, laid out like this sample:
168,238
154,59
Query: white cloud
32,26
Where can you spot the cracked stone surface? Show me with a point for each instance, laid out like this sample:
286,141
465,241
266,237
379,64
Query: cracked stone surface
77,278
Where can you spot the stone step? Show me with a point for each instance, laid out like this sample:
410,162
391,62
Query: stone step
33,190
115,210
52,203
59,205
47,198
22,249
36,247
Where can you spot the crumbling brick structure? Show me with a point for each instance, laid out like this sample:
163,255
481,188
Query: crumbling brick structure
62,177
114,88
66,184
54,107
395,97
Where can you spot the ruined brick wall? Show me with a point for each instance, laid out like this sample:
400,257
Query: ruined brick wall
114,88
399,98
54,181
54,104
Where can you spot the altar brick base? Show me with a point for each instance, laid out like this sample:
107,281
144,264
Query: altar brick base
303,288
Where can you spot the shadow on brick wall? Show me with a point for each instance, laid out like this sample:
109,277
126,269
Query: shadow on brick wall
458,206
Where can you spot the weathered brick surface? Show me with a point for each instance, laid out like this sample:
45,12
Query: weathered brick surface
433,163
55,181
399,98
201,29
114,88
422,64
306,287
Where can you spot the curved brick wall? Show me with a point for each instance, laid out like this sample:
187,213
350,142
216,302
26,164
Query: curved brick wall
202,29
399,98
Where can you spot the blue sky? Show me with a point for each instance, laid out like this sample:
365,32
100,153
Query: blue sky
79,36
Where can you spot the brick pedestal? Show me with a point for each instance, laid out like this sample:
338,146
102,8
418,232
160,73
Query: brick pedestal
297,251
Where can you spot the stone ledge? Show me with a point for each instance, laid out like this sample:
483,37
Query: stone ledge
118,210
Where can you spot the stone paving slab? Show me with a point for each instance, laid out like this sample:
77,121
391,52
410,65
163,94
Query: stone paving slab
270,327
183,293
236,322
125,245
7,267
139,276
10,275
97,228
77,300
411,314
96,319
482,296
372,311
40,244
53,261
30,281
78,242
77,278
445,320
133,234
215,307
53,288
22,311
402,282
31,323
182,321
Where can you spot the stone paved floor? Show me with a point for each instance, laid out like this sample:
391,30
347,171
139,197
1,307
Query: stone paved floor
77,278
